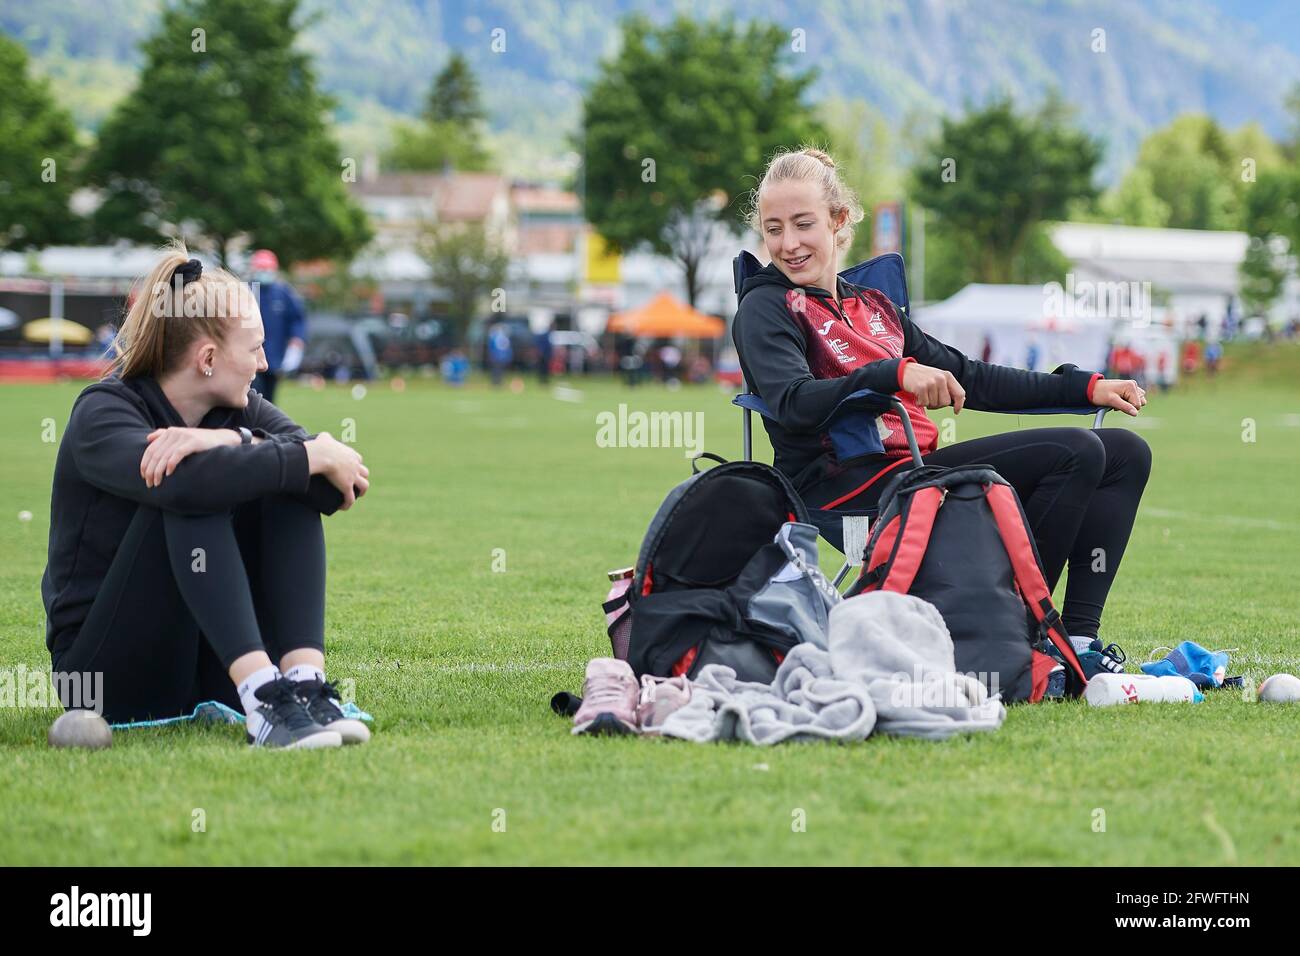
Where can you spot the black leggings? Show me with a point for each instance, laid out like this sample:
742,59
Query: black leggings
1080,489
186,595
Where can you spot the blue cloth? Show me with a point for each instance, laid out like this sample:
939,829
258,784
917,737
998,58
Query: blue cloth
215,712
283,318
455,369
1203,668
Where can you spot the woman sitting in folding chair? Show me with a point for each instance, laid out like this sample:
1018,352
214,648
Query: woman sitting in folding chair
807,339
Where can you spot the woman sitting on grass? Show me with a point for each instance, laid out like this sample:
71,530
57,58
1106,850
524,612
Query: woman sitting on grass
807,339
186,555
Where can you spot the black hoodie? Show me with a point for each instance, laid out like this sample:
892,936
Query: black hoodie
803,354
98,488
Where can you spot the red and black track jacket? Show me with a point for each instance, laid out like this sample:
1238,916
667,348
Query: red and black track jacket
803,354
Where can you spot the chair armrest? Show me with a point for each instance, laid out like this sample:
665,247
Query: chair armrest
752,403
1097,411
863,400
851,425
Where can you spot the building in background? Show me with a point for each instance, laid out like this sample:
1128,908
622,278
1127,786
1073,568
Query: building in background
1194,272
400,207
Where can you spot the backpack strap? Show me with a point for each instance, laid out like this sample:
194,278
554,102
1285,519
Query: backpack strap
695,462
876,555
913,539
883,546
1029,575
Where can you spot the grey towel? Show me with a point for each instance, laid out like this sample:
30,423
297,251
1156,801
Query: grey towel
890,667
898,647
804,701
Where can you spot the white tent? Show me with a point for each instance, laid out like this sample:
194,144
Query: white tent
1021,326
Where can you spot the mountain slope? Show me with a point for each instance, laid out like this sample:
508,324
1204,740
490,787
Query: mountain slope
912,60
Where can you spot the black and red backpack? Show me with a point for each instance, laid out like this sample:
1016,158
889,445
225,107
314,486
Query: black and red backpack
707,550
957,538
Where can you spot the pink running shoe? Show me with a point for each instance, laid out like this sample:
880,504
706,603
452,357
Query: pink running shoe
609,699
660,696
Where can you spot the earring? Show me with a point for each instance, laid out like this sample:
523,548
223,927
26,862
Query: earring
208,371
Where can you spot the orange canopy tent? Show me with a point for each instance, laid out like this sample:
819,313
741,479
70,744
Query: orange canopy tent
665,317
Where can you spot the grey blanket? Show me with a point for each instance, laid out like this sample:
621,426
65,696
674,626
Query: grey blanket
890,668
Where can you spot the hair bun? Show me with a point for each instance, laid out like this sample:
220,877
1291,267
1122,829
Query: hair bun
188,271
818,154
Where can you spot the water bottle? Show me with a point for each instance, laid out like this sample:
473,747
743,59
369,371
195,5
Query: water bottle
1108,690
618,622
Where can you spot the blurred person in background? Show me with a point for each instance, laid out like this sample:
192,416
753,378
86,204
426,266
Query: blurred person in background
500,352
670,358
283,317
1213,355
545,353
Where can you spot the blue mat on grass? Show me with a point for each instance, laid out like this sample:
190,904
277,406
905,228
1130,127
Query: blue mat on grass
215,712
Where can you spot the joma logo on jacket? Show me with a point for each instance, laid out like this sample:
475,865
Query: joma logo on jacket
867,331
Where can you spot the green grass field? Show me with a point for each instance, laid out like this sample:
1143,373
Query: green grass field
457,659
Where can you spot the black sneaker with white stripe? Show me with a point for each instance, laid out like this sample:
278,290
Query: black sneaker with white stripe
1096,659
285,721
323,703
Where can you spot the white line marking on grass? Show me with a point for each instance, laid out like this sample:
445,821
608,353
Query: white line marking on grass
1229,848
1291,421
1143,421
1239,521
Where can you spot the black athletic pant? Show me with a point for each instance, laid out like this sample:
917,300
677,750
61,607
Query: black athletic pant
186,595
1080,489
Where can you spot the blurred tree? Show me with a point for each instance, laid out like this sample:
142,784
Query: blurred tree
1190,164
949,266
862,145
676,122
469,263
451,132
225,137
991,177
1291,148
38,158
419,147
1192,174
454,96
1250,142
1133,202
338,290
1271,217
1270,214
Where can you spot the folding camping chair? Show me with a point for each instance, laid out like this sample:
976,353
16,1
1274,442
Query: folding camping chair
852,424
